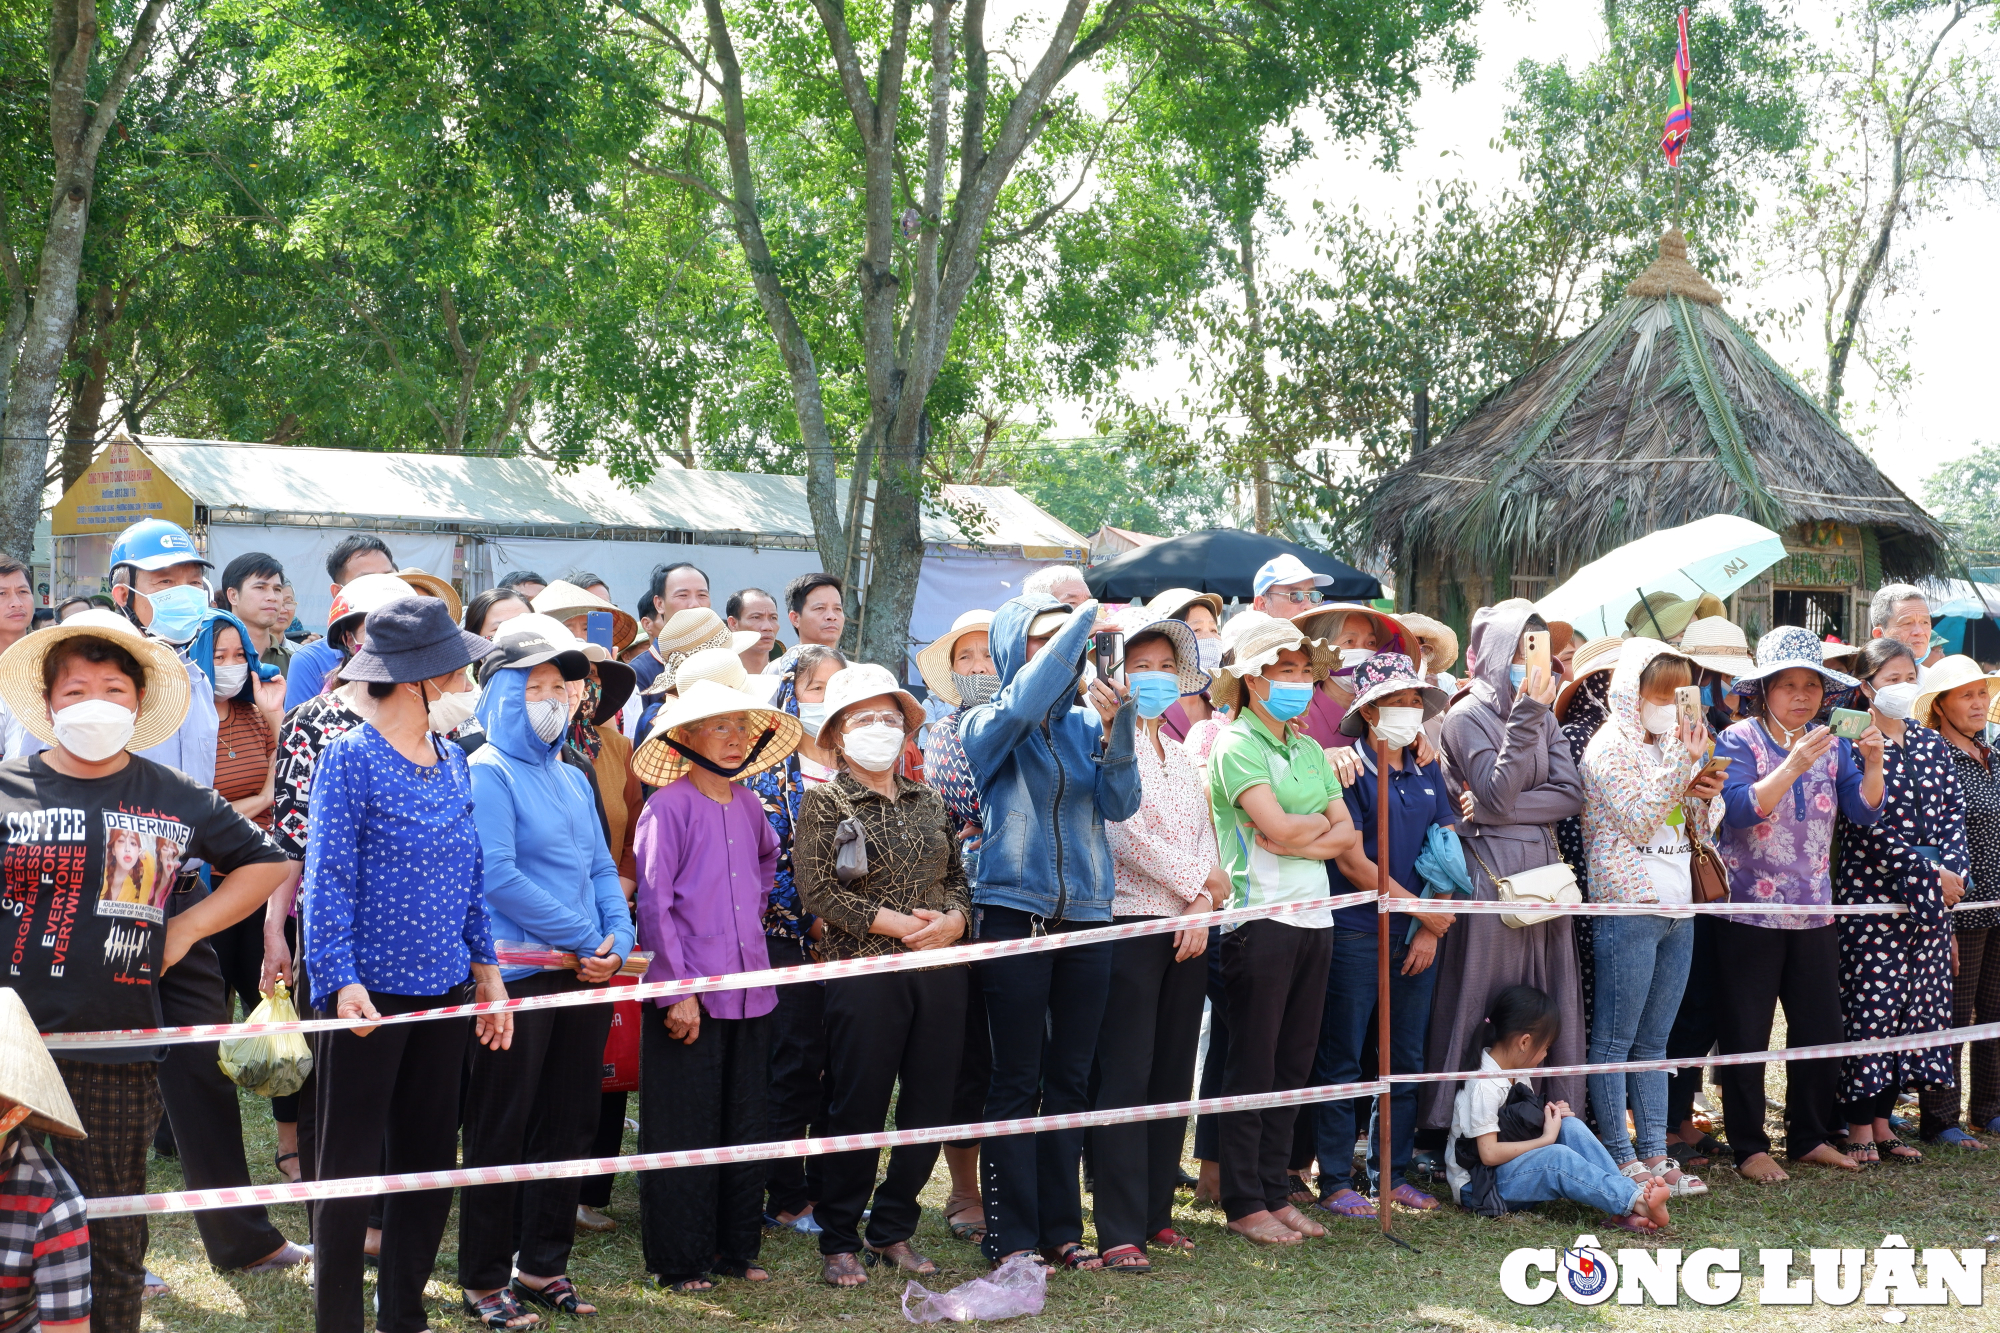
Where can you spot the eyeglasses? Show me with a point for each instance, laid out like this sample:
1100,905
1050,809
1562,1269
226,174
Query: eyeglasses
1297,598
856,721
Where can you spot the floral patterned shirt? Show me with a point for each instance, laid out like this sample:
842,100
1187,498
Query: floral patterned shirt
1784,857
1980,787
1161,856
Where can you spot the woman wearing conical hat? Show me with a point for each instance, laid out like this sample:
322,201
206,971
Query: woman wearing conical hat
44,1234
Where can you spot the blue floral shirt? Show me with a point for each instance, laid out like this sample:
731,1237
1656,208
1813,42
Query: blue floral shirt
780,791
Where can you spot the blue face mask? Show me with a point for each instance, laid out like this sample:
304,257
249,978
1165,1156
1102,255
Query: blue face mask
177,612
1518,674
1153,691
1287,701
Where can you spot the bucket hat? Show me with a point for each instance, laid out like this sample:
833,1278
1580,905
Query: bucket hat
1173,604
352,603
1187,657
564,601
658,762
1380,676
1256,645
1718,644
414,638
430,585
1437,639
862,681
1949,674
934,661
1600,654
29,1077
1788,648
162,707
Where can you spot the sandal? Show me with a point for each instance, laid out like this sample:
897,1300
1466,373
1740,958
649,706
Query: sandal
843,1271
1898,1152
1127,1259
501,1310
1957,1138
1863,1153
970,1232
1073,1257
901,1255
741,1271
687,1286
1170,1239
1303,1195
1347,1203
279,1160
559,1295
1686,1155
1411,1197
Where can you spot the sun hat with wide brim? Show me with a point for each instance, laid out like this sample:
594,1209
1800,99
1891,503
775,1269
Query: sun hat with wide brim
430,585
1140,621
1381,676
1949,674
565,601
1173,604
860,682
1256,644
934,661
1789,648
640,643
1663,616
29,1077
1326,621
1599,655
1718,644
657,762
1439,640
724,668
411,639
352,603
163,705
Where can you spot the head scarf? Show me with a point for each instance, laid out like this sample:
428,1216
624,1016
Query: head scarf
582,742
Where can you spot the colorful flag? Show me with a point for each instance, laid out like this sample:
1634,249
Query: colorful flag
1680,118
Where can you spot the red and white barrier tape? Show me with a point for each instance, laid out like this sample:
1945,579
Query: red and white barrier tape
1488,906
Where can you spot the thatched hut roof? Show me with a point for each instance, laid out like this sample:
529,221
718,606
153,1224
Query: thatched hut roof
1663,411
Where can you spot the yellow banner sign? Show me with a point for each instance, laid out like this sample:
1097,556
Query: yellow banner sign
120,487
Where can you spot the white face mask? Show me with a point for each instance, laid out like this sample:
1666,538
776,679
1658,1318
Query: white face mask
95,729
1896,701
1658,719
1398,727
874,747
1208,654
811,716
229,679
1354,657
450,711
548,717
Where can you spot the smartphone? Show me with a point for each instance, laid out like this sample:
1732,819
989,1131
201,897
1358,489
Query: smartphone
598,631
1716,764
1535,651
1687,702
1109,646
1847,723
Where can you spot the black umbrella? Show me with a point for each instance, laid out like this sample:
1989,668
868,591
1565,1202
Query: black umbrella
1222,561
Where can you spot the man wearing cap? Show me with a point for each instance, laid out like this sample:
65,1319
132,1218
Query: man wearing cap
356,554
1284,587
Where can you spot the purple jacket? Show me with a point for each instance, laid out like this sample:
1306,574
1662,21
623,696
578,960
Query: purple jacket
705,876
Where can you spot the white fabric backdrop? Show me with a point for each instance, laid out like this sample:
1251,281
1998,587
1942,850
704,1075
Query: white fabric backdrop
629,565
303,551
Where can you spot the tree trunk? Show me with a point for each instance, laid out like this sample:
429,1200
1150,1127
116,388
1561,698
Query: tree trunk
86,400
896,551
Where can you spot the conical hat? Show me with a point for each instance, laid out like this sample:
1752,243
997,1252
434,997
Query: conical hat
28,1076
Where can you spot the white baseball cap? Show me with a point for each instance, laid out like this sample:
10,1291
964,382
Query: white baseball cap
1286,568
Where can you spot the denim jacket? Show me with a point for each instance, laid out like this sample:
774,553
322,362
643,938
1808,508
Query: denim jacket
1047,779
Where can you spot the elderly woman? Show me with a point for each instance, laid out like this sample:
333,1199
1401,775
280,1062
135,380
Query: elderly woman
1954,703
1355,634
891,1035
1788,778
1506,751
707,858
1202,613
1164,863
1895,971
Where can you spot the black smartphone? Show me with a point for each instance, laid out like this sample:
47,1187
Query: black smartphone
1109,647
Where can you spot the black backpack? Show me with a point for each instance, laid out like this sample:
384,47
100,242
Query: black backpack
1520,1119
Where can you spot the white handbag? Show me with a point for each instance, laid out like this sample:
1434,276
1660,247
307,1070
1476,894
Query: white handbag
1552,883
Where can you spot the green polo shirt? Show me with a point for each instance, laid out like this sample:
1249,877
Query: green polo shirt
1247,755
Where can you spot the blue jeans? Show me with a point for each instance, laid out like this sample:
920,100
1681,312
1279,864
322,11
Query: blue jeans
1350,1009
1574,1167
1642,968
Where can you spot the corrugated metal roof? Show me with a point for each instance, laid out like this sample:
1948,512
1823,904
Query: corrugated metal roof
257,483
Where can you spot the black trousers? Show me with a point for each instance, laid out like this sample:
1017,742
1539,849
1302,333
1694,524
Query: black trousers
1043,1011
1275,975
536,1101
605,1141
1207,1128
799,1089
1975,998
202,1104
239,950
713,1094
1762,968
387,1102
890,1035
119,1108
1145,1054
1876,1106
975,1062
1696,1025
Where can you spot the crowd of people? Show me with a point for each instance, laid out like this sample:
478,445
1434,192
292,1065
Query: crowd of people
541,792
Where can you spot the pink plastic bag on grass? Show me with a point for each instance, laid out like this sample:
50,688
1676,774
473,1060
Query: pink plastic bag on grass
1016,1287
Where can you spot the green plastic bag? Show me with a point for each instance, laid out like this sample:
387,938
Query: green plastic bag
274,1064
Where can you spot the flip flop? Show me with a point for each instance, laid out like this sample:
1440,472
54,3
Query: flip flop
1411,1197
1168,1238
1127,1259
1347,1203
1957,1138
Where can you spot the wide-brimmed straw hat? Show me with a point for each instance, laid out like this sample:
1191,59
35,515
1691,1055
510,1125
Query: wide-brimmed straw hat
1258,640
1661,615
657,762
1325,622
29,1077
352,603
1718,644
162,707
414,638
1380,676
860,682
1139,621
1600,654
724,668
1439,641
565,601
430,585
1949,674
689,632
934,662
1173,604
1789,648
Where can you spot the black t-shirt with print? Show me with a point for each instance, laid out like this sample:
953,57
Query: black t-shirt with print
88,864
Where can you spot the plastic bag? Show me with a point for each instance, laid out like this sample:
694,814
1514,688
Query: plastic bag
1016,1287
274,1064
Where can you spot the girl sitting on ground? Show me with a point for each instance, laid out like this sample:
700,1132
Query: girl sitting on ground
1565,1161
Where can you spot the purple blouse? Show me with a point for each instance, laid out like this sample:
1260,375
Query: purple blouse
1784,858
705,876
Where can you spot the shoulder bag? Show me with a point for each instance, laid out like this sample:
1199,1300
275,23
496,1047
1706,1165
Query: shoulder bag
1706,872
1552,883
